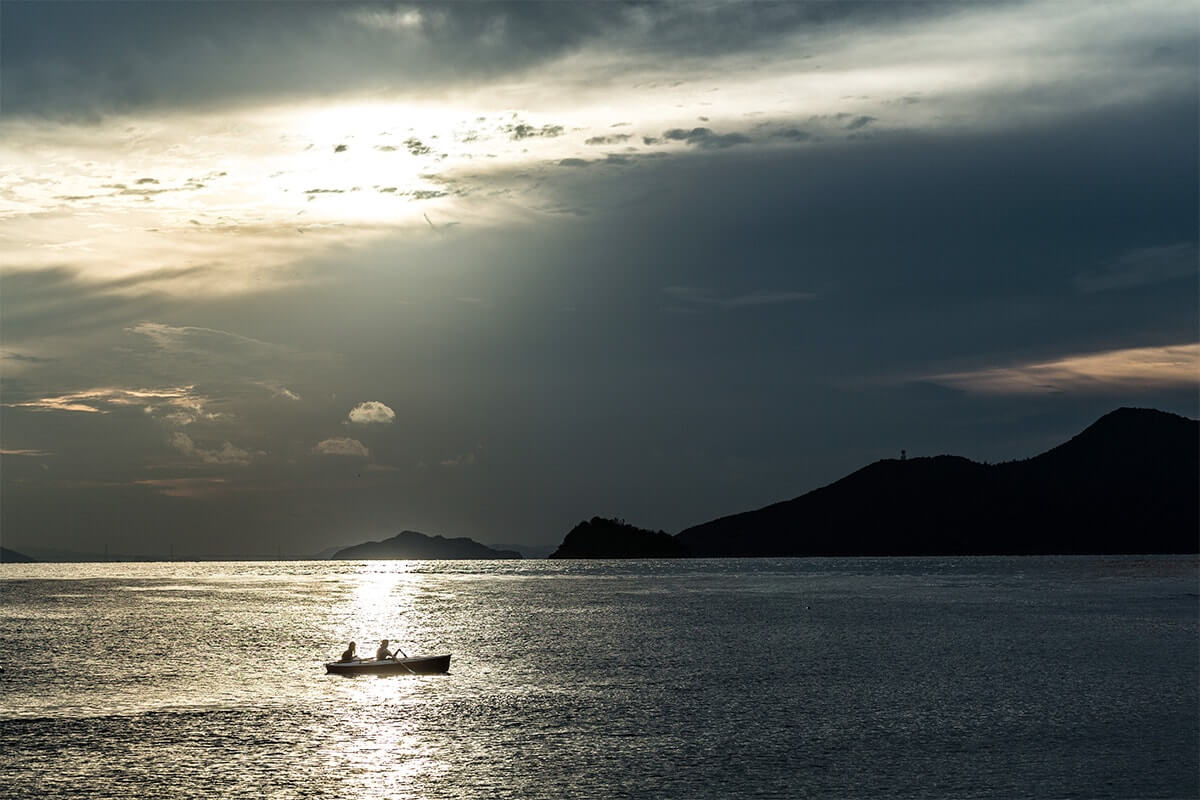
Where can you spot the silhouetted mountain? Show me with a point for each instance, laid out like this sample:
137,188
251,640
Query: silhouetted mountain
1130,483
13,557
413,545
526,550
612,538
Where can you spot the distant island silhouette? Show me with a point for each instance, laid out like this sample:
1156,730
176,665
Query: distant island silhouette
614,538
13,557
1129,483
414,545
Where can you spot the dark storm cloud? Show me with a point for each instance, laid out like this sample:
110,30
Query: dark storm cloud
416,147
524,131
793,134
704,137
613,138
75,58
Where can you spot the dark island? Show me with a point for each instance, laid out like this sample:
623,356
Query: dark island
1129,483
614,538
418,546
13,557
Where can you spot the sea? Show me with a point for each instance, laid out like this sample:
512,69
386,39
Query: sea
1032,677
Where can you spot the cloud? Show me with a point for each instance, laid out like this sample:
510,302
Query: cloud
227,453
72,60
612,138
1143,267
26,452
194,339
793,134
458,461
704,137
372,411
401,18
102,400
341,446
416,147
463,460
524,131
1136,369
279,390
186,487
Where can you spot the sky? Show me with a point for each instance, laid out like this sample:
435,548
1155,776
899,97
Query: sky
279,277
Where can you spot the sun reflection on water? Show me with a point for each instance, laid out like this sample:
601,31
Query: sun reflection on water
378,747
379,605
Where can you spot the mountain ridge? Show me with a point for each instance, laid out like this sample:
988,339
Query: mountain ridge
1127,483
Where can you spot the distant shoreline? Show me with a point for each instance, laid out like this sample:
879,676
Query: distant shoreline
700,559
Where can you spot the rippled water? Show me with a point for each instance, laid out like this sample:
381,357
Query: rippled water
830,678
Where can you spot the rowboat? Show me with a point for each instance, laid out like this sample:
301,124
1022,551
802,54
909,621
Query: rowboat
411,665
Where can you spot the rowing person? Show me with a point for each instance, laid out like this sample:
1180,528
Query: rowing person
383,651
350,655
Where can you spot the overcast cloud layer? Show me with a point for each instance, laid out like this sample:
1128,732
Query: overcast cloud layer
278,277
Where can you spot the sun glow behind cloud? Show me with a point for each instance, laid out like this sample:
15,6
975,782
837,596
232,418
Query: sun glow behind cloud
196,202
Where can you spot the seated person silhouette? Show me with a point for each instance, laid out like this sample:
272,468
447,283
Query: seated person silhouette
349,654
383,651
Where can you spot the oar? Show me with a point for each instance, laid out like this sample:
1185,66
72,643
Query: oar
406,666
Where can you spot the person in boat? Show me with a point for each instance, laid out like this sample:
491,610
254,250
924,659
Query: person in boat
383,651
350,655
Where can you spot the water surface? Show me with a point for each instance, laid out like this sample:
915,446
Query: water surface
830,678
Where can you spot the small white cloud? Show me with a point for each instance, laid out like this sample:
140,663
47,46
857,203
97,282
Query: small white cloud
464,460
278,390
393,19
371,411
341,446
226,454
